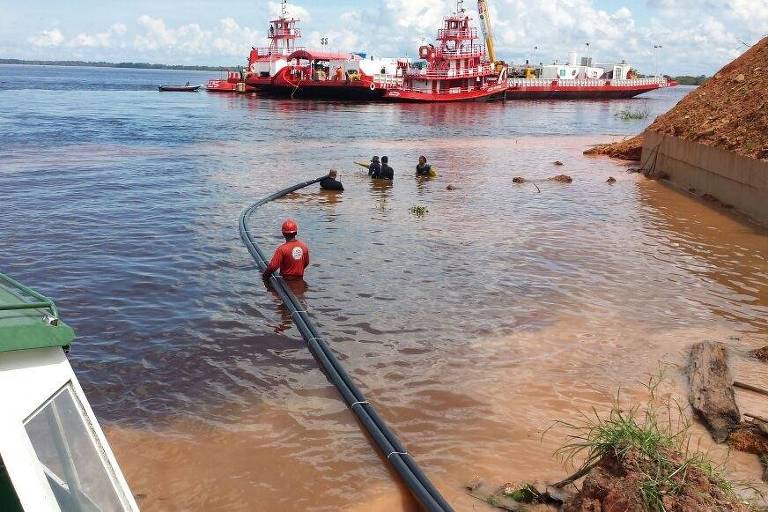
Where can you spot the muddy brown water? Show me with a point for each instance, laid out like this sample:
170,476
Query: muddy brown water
472,328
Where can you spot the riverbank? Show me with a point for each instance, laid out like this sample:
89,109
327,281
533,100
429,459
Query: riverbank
119,65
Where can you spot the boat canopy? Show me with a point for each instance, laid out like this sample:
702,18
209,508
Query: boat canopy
321,55
29,320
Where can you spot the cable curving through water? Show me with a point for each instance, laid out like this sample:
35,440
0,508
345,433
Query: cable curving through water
395,453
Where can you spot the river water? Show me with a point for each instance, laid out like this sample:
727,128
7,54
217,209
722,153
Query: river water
471,328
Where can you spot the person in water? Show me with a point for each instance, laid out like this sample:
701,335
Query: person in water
292,257
387,172
423,168
331,183
374,169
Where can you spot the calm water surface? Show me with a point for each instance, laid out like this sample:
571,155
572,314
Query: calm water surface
472,328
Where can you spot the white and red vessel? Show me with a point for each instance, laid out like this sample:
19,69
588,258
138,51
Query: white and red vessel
263,63
578,79
457,67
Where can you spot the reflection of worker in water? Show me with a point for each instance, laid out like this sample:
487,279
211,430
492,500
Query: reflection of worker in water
387,172
331,183
292,257
423,168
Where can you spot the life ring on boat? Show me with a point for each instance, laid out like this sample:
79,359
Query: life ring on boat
372,87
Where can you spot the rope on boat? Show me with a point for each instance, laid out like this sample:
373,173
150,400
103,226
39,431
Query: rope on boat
389,445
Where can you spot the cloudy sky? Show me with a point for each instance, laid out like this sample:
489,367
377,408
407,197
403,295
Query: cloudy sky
697,36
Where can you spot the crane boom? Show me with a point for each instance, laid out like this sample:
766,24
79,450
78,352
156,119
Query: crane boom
485,19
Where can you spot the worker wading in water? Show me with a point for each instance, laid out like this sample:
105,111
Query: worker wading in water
374,169
331,183
387,173
423,168
291,258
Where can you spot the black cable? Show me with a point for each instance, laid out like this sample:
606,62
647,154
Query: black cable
396,454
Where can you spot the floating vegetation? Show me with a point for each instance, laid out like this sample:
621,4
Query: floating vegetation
418,210
629,114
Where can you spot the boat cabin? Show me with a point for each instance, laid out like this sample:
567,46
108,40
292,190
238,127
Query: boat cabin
53,454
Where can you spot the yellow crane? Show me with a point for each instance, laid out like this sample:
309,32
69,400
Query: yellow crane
485,19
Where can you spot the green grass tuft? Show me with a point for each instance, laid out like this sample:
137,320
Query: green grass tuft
654,439
629,114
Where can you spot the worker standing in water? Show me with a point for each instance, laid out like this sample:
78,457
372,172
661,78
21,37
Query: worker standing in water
331,183
292,257
423,168
387,172
374,169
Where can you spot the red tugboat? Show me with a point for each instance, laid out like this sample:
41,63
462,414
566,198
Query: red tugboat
263,63
457,67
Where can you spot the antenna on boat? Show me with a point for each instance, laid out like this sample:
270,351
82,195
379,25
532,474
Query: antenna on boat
284,10
459,6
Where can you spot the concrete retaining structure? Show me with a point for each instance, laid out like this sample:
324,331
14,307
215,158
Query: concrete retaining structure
731,178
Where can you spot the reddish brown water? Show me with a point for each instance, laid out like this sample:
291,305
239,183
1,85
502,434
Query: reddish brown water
471,329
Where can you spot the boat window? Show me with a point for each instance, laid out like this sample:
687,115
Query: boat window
9,501
74,463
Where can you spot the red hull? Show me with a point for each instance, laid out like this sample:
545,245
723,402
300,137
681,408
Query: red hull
220,86
409,95
283,84
604,90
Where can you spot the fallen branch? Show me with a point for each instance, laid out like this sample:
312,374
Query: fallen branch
580,473
750,387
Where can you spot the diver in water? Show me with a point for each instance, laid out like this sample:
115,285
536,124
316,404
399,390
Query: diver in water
331,183
423,168
387,172
374,169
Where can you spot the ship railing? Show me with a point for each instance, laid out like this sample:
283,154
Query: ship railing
457,33
474,51
266,51
451,90
285,32
587,82
486,69
384,81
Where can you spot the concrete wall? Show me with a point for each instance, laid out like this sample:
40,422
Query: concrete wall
733,179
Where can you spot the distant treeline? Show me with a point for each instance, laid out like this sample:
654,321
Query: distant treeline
691,80
130,65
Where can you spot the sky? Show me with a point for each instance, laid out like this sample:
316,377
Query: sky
695,36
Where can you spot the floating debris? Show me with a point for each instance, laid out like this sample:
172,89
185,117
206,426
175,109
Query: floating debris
611,180
518,179
418,210
561,178
558,162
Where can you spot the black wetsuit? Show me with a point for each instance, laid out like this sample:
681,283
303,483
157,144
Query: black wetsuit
329,183
387,172
423,170
374,170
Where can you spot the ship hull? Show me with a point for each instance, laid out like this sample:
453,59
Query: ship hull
518,90
496,92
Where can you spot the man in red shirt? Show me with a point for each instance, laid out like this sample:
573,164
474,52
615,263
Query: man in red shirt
292,257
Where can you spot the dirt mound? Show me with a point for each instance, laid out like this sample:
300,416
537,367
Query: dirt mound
729,111
618,485
761,354
628,149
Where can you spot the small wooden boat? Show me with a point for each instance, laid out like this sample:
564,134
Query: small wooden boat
179,88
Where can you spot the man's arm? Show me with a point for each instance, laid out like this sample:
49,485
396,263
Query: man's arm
274,264
306,256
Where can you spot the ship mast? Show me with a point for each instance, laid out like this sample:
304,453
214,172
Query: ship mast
485,19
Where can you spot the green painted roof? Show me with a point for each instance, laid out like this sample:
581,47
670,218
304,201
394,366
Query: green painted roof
27,319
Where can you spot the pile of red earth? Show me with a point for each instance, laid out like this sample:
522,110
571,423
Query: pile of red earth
617,485
729,111
628,149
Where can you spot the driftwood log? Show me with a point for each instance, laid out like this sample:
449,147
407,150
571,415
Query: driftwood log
711,389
